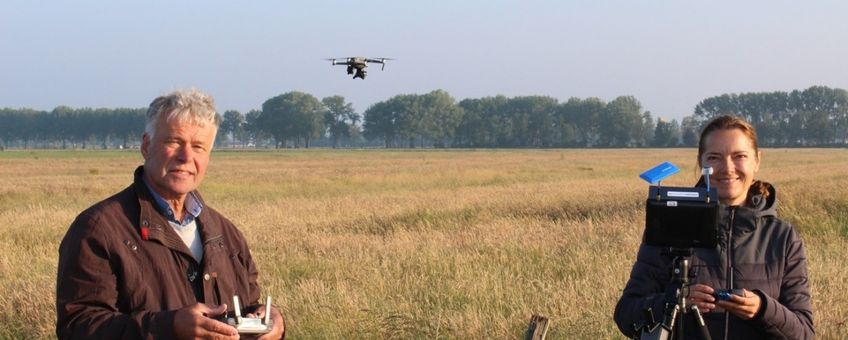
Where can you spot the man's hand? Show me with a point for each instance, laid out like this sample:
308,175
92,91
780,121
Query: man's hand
277,318
194,322
745,306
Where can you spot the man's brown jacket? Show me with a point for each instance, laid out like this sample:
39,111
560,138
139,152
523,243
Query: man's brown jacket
123,271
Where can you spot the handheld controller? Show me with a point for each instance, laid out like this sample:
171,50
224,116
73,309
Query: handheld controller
724,294
246,325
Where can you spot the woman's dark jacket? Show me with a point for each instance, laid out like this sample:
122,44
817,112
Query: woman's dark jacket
123,271
767,257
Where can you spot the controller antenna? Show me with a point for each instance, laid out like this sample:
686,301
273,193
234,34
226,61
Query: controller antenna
706,172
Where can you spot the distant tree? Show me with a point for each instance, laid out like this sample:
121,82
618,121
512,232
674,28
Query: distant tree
584,117
566,123
430,118
676,134
58,124
471,130
339,118
232,126
533,120
666,133
690,131
503,124
709,108
621,122
441,117
823,114
252,128
485,122
380,123
409,117
131,124
646,133
293,115
273,120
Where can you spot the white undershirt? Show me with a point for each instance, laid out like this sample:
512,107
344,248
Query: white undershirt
191,237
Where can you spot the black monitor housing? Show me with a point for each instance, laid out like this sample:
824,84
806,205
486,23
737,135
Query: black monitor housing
680,217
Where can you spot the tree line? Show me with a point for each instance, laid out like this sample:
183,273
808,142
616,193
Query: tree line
65,127
817,116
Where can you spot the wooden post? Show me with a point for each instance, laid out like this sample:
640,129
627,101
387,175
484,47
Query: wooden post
538,328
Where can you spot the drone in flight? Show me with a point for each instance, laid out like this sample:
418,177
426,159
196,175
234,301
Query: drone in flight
356,65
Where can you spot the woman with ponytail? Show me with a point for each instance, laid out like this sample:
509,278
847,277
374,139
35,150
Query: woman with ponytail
758,255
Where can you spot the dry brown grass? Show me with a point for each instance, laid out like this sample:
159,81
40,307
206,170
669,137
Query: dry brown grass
419,244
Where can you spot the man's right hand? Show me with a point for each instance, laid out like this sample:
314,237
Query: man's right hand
195,322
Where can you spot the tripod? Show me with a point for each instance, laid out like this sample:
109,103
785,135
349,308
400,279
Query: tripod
675,304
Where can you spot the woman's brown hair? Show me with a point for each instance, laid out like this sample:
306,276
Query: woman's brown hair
728,122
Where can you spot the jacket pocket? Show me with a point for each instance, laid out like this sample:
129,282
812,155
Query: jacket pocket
231,276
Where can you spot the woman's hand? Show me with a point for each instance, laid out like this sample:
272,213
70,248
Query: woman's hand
744,306
702,296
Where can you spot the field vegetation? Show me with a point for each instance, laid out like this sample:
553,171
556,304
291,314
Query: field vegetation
420,244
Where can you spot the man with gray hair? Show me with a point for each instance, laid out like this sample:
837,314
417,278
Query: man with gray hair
154,261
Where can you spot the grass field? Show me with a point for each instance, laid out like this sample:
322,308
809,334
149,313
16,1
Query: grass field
420,244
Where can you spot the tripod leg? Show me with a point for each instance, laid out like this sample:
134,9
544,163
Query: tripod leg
699,322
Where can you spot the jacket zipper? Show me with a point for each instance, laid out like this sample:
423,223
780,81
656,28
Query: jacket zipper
729,266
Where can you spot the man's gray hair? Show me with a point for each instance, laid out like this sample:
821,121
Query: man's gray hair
186,106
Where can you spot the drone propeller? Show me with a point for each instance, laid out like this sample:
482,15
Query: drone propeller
381,61
384,62
338,61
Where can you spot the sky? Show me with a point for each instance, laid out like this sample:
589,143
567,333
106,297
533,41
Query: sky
670,55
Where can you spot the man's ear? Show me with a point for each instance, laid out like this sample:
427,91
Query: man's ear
145,144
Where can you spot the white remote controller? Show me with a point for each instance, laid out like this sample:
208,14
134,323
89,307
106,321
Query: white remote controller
246,325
